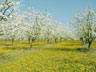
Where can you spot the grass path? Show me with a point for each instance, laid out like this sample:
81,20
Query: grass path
15,55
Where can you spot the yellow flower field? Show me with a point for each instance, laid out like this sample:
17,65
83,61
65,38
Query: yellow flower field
68,56
18,45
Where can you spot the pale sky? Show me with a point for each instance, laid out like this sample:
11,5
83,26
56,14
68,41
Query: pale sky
61,10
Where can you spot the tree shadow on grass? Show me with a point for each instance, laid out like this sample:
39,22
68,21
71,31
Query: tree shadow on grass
70,44
14,48
69,49
8,45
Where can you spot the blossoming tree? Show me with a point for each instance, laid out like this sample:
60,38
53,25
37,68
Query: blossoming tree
85,25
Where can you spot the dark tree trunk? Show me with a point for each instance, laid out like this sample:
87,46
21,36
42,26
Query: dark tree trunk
48,41
12,42
83,42
5,41
55,40
89,43
29,40
31,45
60,40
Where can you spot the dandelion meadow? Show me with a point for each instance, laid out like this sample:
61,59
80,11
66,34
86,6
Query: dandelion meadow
47,36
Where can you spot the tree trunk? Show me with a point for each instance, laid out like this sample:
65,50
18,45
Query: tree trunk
12,42
29,40
55,40
31,45
48,41
60,40
5,41
89,44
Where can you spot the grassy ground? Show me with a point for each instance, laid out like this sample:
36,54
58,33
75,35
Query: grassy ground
67,56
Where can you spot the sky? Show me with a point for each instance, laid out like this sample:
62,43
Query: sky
61,10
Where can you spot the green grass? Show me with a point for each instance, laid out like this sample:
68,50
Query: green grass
68,56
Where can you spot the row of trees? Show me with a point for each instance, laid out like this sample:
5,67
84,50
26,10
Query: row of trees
34,25
30,25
